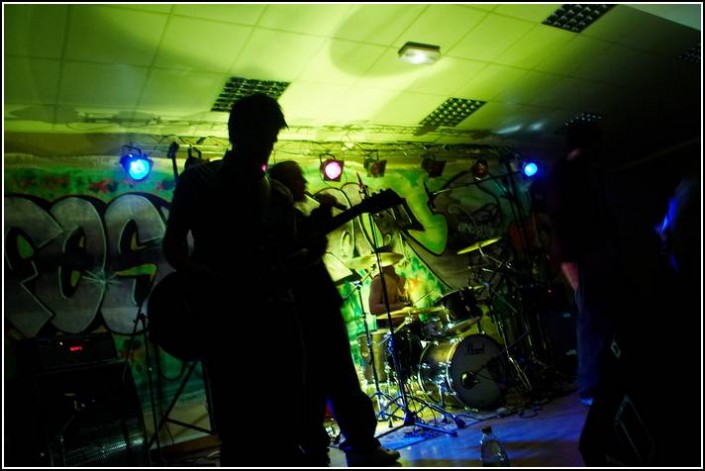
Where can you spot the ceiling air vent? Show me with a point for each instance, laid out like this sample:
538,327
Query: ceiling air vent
584,117
576,17
238,87
452,112
691,55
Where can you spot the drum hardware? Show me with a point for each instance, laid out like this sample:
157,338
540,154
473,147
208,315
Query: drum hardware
370,260
382,399
401,402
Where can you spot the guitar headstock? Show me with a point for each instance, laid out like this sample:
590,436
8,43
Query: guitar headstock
380,201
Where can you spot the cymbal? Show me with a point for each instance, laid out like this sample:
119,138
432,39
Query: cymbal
411,312
369,260
478,245
463,325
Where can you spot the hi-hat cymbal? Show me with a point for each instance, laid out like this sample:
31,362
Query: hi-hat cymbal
478,245
369,260
411,312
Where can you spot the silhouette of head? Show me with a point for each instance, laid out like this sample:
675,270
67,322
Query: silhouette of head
254,124
290,175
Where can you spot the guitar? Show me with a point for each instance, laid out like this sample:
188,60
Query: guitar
174,321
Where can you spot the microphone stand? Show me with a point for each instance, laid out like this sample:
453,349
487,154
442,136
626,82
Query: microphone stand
382,399
410,418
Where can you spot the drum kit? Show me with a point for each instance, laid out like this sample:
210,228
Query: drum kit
436,347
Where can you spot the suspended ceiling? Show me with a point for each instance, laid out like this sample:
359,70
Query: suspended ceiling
81,70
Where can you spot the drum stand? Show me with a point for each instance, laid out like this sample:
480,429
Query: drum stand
383,400
410,418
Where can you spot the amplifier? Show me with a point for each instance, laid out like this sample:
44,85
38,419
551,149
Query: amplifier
42,354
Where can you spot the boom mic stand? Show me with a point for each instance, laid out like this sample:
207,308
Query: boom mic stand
382,399
410,418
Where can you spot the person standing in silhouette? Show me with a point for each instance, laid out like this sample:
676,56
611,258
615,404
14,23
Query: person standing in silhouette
251,367
331,375
586,246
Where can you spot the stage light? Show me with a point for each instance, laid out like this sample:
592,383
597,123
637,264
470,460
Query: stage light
480,169
375,167
136,164
417,53
530,169
433,167
331,168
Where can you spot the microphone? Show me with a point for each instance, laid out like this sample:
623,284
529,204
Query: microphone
328,200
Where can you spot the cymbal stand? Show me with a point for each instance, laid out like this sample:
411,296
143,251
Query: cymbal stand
382,399
410,418
501,328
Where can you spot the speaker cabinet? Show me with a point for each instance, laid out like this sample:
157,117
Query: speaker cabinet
83,416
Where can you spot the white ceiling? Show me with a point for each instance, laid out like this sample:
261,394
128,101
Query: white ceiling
157,69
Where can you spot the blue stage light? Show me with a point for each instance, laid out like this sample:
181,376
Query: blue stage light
137,165
530,169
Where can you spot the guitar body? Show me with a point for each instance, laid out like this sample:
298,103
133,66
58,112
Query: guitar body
174,324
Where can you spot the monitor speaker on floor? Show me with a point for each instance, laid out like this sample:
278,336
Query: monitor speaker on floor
86,416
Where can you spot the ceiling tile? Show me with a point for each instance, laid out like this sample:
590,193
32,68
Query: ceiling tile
569,94
443,25
286,55
391,73
539,43
303,101
616,64
446,76
319,20
34,30
408,109
201,45
490,81
180,91
152,8
494,35
113,35
569,58
110,85
342,62
526,88
30,81
535,13
492,116
379,24
241,14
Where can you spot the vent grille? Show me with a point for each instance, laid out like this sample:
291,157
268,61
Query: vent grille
238,87
584,117
576,17
452,112
691,55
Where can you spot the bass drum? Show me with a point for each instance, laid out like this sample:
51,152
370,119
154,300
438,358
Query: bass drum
470,371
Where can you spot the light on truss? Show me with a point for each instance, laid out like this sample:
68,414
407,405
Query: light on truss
331,168
530,169
375,167
136,164
433,167
480,169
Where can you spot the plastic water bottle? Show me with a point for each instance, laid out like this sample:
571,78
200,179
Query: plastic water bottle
492,451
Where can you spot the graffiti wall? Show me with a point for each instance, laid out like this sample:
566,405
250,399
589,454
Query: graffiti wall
82,247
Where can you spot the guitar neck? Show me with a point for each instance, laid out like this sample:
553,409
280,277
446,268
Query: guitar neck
340,219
